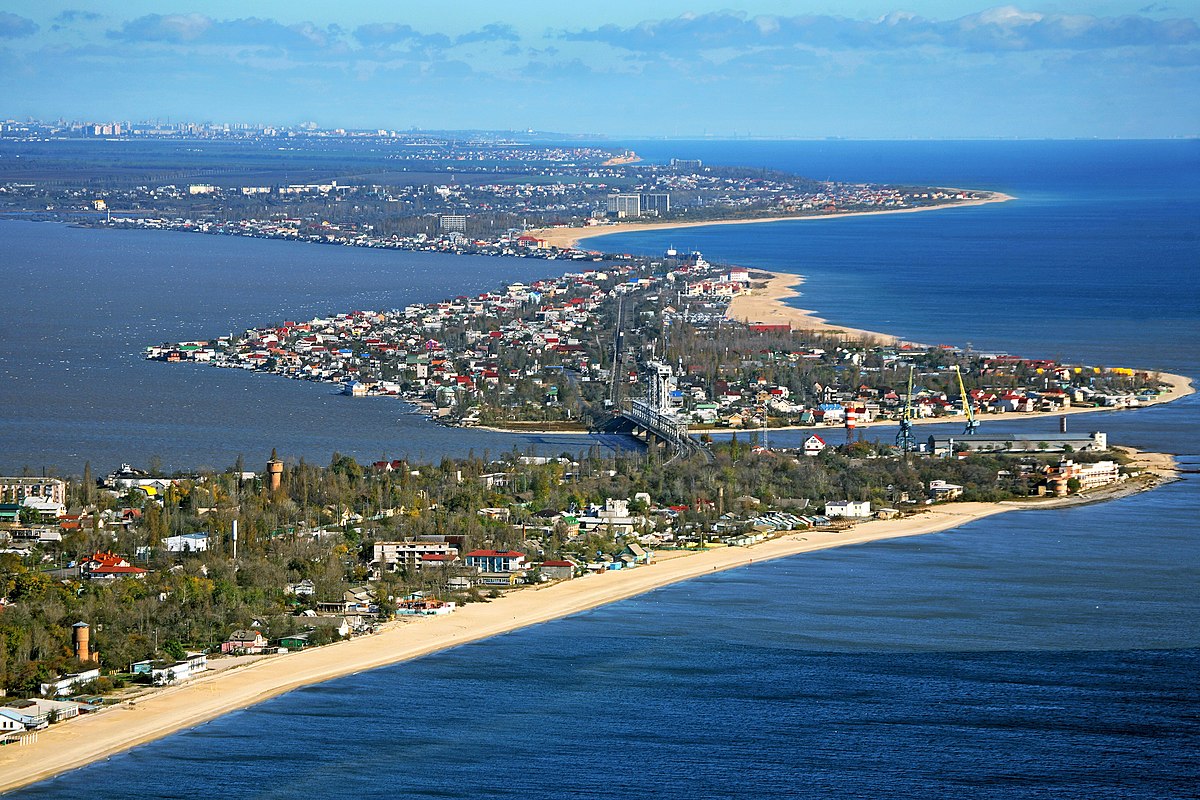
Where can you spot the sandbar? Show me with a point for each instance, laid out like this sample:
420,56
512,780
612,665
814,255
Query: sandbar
570,238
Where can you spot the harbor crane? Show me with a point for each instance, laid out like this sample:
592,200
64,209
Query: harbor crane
906,440
972,423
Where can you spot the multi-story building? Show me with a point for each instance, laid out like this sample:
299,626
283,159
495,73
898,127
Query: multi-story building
396,556
496,560
659,204
15,490
625,205
453,222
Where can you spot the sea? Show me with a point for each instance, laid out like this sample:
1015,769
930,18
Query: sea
1034,654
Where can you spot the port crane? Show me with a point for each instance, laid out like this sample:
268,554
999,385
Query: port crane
906,440
972,423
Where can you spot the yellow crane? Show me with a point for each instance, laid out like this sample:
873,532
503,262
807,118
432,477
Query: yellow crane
906,440
972,423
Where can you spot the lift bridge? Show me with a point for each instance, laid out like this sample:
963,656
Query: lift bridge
652,417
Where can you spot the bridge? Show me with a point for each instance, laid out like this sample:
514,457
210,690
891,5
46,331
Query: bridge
651,418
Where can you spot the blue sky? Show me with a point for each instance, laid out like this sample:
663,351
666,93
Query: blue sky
860,68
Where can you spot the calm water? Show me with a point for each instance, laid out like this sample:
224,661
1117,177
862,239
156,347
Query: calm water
1032,655
84,304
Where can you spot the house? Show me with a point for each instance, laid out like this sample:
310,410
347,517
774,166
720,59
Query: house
244,642
495,561
16,720
636,554
108,566
942,490
813,445
12,722
558,570
848,509
305,588
357,600
296,641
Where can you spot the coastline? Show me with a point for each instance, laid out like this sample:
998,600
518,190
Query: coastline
767,304
571,237
91,738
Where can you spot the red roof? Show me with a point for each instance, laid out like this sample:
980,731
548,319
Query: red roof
117,570
495,553
557,564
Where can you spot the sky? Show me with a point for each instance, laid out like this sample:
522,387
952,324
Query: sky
878,69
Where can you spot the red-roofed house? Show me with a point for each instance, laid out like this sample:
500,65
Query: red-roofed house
108,566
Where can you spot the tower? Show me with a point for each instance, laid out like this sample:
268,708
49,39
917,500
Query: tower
274,472
81,634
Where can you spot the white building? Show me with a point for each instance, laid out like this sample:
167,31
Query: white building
395,556
186,543
848,509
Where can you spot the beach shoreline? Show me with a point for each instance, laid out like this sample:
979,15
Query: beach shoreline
87,739
570,238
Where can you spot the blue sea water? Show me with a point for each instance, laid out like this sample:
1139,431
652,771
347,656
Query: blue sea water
1035,654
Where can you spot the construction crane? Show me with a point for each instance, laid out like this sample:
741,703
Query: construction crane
906,440
972,423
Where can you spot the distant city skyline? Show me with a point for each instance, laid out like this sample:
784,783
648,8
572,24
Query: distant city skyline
927,69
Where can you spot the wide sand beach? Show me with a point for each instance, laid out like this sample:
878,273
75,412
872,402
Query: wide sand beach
566,237
91,738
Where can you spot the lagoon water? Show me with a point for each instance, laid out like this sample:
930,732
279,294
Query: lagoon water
1049,654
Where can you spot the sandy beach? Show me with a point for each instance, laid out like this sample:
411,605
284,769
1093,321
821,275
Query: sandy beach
767,304
565,237
87,739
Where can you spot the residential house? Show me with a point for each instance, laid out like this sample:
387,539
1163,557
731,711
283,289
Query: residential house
244,642
813,445
943,490
848,509
558,570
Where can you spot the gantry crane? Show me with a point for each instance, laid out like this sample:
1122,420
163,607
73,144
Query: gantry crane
906,440
972,423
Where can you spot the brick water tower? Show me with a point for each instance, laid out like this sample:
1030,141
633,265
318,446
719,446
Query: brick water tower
81,634
274,472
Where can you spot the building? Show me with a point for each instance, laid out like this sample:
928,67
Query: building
943,490
1089,476
558,570
69,683
167,673
813,445
244,642
108,566
495,561
1020,443
624,206
657,204
687,164
48,490
186,543
453,222
848,509
397,556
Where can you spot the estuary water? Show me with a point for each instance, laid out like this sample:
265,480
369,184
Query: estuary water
1035,654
